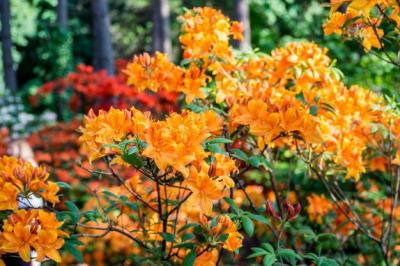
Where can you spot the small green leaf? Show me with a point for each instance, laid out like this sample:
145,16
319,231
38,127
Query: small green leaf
232,204
132,205
248,225
259,218
255,160
76,253
269,259
132,159
190,258
257,252
215,148
63,185
289,255
168,237
109,194
187,236
71,206
187,226
219,140
314,110
239,154
268,247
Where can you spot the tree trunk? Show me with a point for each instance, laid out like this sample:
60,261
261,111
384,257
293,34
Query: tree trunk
62,14
10,78
161,27
103,53
241,13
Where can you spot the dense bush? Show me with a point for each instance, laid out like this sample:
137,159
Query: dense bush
267,158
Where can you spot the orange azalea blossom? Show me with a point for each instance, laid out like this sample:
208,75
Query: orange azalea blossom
311,103
359,21
205,189
19,177
176,142
35,229
208,258
379,163
206,32
318,207
224,226
109,127
154,73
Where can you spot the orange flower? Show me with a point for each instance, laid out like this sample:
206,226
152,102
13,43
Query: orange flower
208,258
225,226
176,142
234,241
22,178
194,80
36,229
378,164
205,190
109,127
206,33
318,207
371,38
154,73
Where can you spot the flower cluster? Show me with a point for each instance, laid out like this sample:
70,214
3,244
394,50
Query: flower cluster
20,179
23,188
206,33
32,229
362,19
174,144
292,94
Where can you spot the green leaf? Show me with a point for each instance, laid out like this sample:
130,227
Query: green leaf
327,241
289,255
218,141
258,218
248,225
63,185
314,110
187,236
132,205
269,259
112,207
187,245
324,261
71,249
74,211
257,252
255,160
187,226
232,204
132,159
328,107
168,237
109,194
268,247
239,154
190,258
307,233
215,148
133,150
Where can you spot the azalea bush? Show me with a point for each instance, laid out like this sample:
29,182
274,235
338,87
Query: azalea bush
270,160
